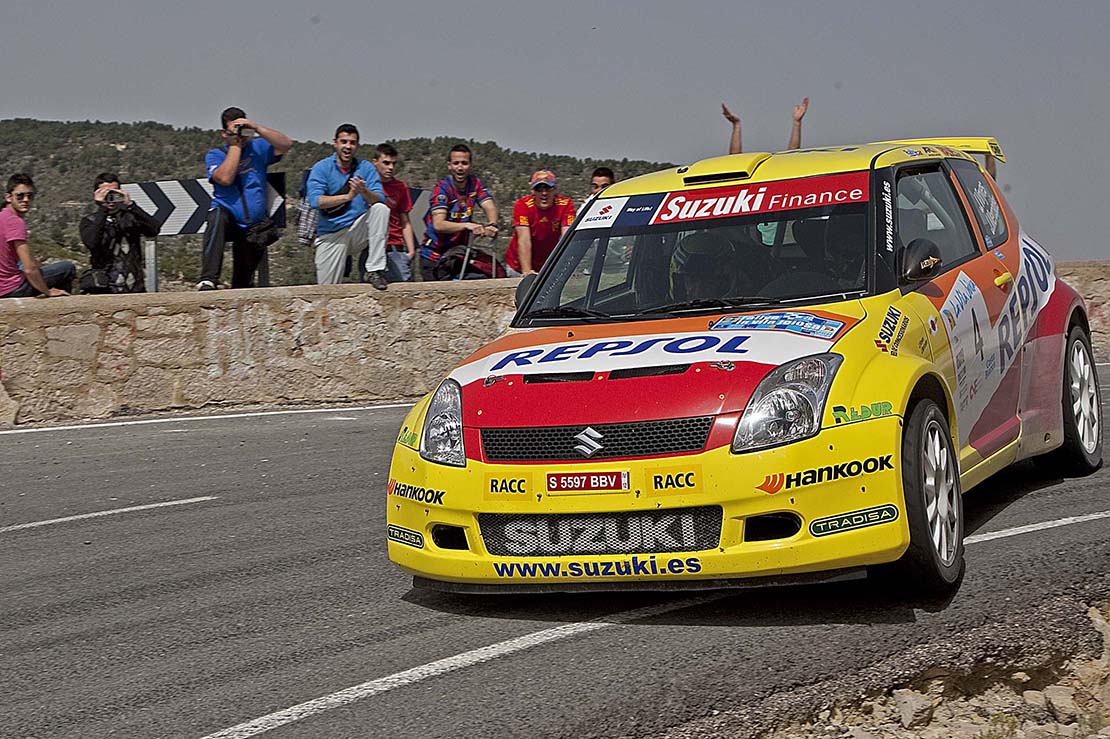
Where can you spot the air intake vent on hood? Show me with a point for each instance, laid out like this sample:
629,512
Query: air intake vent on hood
669,369
559,377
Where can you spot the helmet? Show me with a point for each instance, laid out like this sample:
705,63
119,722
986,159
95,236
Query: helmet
702,266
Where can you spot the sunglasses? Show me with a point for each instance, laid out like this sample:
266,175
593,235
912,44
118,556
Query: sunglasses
23,196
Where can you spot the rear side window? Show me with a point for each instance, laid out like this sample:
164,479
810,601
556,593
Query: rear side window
988,212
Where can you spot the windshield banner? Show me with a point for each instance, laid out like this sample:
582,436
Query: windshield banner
762,197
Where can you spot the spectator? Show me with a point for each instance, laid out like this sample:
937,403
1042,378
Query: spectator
539,220
237,171
734,145
400,242
21,276
601,179
113,235
448,222
353,215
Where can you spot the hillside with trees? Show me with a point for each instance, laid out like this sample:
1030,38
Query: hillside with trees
65,157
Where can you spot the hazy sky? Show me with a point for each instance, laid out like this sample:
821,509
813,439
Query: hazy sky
642,80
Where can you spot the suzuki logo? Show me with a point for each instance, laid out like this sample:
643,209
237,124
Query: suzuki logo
772,483
588,440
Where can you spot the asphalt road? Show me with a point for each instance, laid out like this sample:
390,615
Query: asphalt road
274,590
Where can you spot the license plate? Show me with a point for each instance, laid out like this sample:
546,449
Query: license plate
580,482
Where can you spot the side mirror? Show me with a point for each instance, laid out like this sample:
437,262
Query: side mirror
523,287
920,261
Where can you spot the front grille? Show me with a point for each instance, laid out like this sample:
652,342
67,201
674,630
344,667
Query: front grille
627,532
617,440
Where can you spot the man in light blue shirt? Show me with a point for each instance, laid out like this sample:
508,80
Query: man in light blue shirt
353,213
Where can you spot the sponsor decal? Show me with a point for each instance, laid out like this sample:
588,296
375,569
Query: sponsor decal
854,520
888,214
412,492
405,536
673,345
588,534
724,366
507,488
671,480
929,262
802,324
804,478
933,325
998,253
726,202
912,152
891,332
580,482
987,205
862,413
995,148
407,438
635,566
923,343
602,213
493,380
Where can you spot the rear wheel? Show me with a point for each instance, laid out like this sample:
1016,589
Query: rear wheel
934,562
1081,452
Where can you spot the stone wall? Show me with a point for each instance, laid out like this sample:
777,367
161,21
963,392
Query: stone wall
99,356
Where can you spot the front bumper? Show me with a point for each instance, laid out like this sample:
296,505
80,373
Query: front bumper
842,487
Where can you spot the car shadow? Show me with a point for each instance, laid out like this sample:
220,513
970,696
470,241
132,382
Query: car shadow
865,601
1001,491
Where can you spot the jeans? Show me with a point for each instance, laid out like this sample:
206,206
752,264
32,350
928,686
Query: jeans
57,274
398,266
245,258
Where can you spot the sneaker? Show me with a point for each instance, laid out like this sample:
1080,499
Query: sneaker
206,285
376,280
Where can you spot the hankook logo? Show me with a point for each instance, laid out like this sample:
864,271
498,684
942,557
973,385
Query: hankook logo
589,442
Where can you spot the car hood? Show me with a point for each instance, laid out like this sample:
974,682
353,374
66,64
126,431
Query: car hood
622,372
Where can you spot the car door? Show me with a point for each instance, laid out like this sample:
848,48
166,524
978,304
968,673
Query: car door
968,303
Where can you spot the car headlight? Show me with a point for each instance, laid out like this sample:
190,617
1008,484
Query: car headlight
788,404
442,440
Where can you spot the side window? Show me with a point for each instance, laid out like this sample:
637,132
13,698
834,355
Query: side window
984,204
928,208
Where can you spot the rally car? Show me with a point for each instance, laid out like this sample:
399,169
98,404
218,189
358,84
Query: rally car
757,368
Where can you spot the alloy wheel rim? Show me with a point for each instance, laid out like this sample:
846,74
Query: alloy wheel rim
942,505
1084,396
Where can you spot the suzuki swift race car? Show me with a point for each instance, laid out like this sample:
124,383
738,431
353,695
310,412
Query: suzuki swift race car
759,368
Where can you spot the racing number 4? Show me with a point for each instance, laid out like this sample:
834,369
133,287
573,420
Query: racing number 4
978,335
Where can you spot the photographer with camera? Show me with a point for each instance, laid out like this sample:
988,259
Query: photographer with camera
239,211
113,235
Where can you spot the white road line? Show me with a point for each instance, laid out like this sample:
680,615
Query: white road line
184,419
98,514
449,664
975,539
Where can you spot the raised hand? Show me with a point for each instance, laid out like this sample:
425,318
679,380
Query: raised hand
800,110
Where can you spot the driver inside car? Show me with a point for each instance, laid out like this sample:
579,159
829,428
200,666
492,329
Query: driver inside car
703,266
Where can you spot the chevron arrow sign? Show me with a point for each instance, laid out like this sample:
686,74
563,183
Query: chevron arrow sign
181,206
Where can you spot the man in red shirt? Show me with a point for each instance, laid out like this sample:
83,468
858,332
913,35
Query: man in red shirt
539,220
400,242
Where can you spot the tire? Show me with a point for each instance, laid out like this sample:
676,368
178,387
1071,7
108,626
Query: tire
933,565
1081,452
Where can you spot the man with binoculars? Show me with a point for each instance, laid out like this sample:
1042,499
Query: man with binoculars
239,211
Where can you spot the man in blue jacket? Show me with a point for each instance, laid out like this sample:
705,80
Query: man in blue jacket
237,171
353,213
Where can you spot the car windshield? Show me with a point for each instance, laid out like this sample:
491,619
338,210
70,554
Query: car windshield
733,248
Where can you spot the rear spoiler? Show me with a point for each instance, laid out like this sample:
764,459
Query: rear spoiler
971,145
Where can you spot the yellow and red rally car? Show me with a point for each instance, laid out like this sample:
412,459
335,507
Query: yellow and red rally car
757,368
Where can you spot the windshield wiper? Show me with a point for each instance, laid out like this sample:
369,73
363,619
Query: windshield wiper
565,311
708,303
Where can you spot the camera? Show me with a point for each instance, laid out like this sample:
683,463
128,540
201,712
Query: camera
245,132
113,197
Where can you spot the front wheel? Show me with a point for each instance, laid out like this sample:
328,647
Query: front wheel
1081,452
934,562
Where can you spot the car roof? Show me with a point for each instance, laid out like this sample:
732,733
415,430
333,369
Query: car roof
781,165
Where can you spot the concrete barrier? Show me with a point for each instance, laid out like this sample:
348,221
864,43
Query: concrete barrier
101,356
